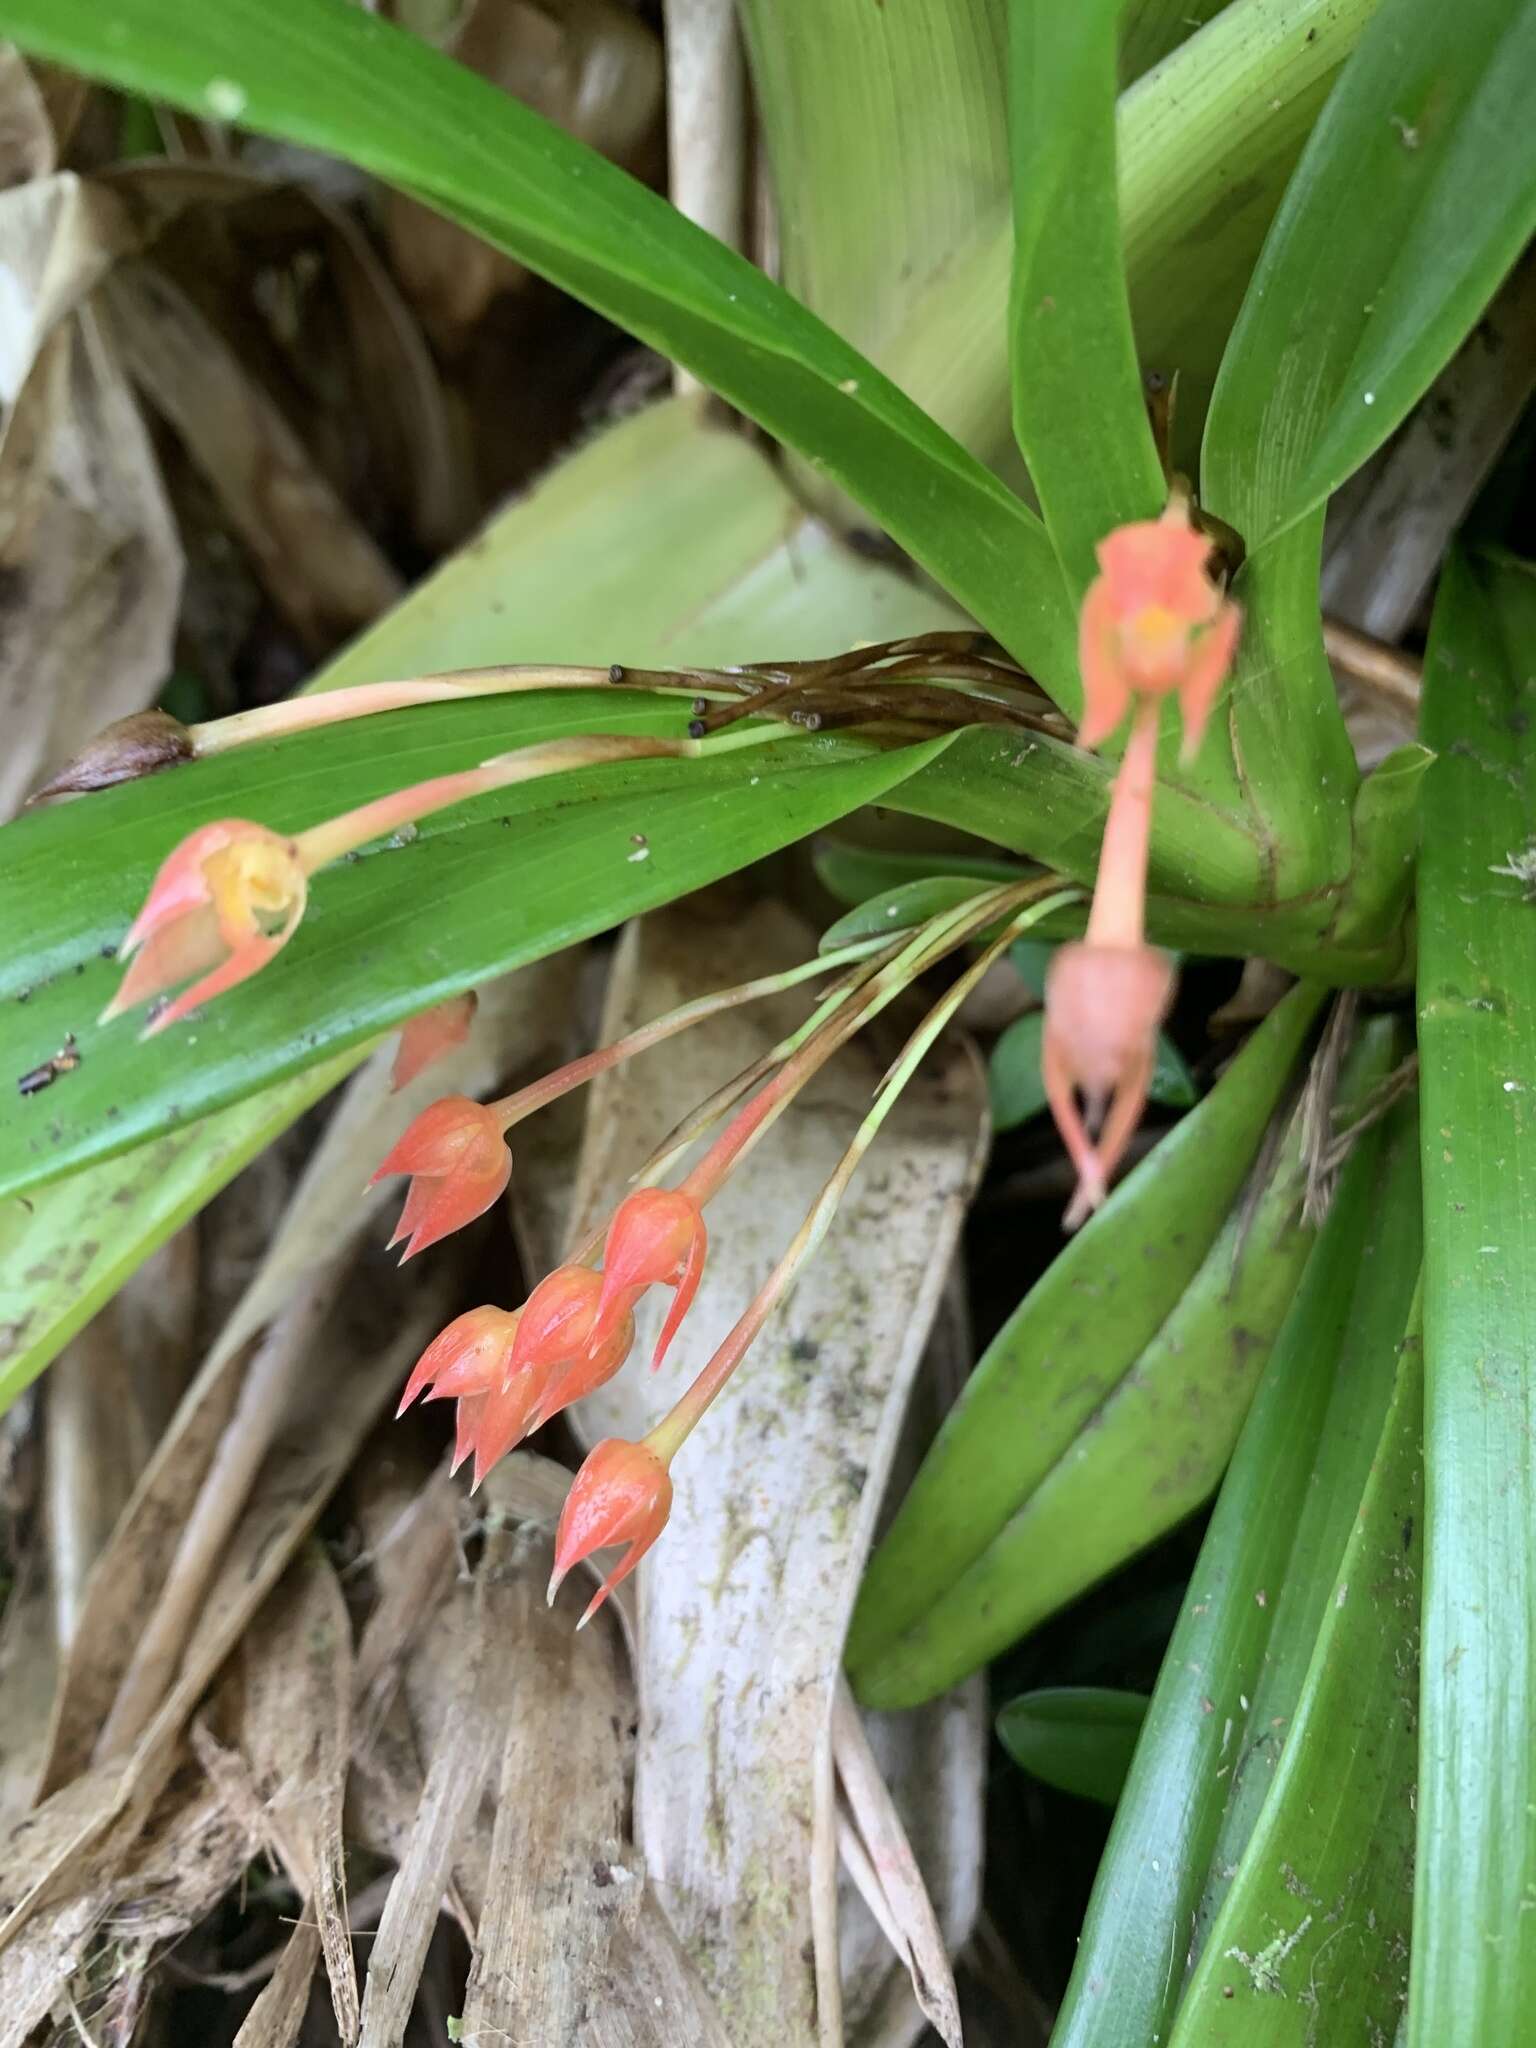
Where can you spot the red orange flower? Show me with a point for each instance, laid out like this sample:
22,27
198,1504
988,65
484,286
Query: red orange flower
469,1357
1103,1008
427,1037
657,1238
222,905
1154,624
459,1165
622,1494
558,1344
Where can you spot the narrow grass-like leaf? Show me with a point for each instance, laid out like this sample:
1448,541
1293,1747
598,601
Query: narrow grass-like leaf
1474,1933
1148,1451
1073,1338
1078,409
1413,198
1312,1940
1136,1938
336,77
1379,1308
1079,1738
855,874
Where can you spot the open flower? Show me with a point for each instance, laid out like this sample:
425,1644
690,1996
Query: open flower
1104,1006
224,903
459,1165
622,1494
426,1037
657,1238
1153,624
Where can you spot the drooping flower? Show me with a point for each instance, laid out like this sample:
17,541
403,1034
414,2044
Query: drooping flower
1153,624
1104,1005
622,1494
558,1343
459,1165
657,1238
501,1419
427,1036
224,902
469,1357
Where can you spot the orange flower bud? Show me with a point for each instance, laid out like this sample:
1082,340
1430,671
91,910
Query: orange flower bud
622,1494
225,901
1154,624
657,1238
1103,1008
427,1037
502,1419
469,1357
557,1340
459,1164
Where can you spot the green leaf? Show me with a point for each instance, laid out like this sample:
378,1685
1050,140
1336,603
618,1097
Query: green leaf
66,1249
1072,1339
1078,409
1201,1733
1018,1093
901,909
1474,1934
1412,199
1378,1311
1317,1918
853,874
389,931
885,132
1079,1738
334,77
1150,1448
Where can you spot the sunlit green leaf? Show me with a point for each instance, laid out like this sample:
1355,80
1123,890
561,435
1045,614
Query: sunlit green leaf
1474,1932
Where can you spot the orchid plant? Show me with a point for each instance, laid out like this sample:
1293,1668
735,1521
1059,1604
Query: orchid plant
1118,692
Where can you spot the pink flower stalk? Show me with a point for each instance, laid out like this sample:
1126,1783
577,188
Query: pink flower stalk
657,1238
622,1494
1153,624
223,904
427,1036
459,1165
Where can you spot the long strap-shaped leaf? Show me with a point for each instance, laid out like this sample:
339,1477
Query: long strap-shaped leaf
329,75
1414,196
1474,1936
1077,404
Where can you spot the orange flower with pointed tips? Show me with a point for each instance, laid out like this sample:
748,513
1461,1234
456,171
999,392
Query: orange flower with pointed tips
1153,624
459,1165
622,1494
224,902
427,1036
469,1357
657,1238
557,1341
1103,1008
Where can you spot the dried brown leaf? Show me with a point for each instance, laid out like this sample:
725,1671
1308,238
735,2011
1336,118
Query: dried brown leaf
274,2020
321,569
562,1879
744,1602
90,566
296,1734
461,1757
